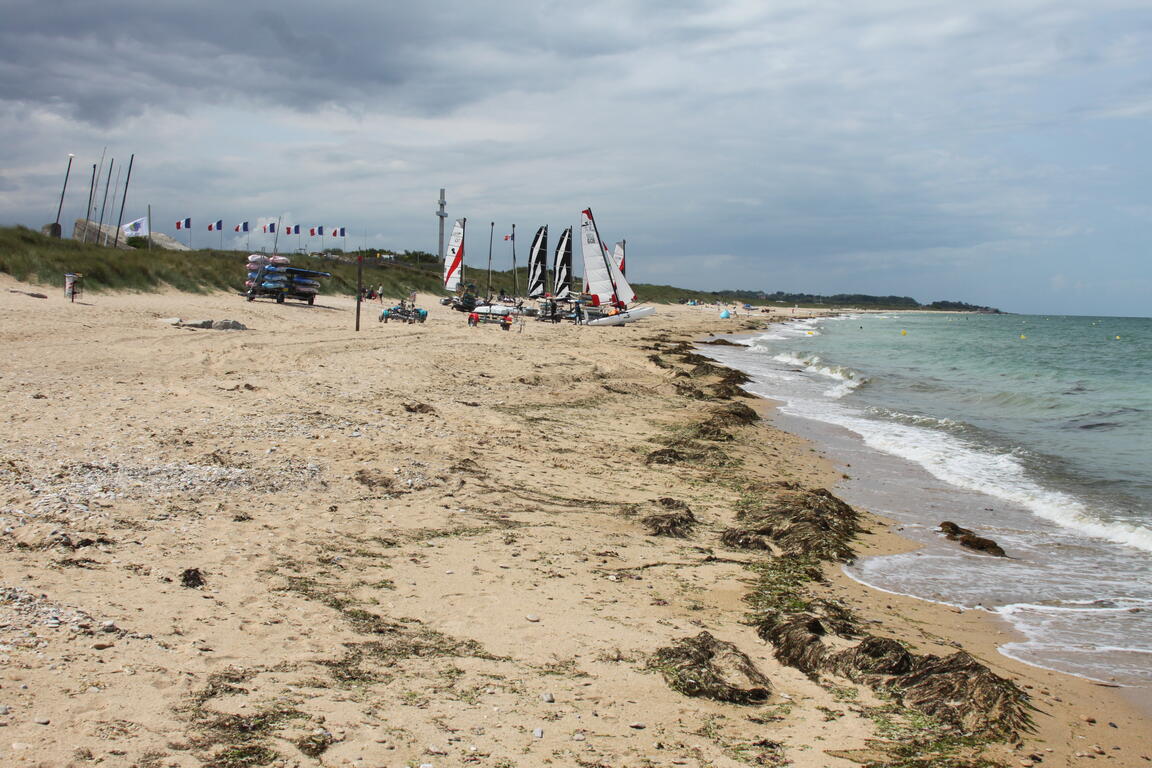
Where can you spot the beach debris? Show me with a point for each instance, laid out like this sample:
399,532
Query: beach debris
665,456
374,478
214,325
677,523
870,657
28,293
733,415
810,522
721,343
748,538
969,539
710,668
962,692
415,407
315,743
192,578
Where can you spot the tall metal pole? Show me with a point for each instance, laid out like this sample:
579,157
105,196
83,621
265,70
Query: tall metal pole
59,208
123,200
104,205
491,231
149,226
88,210
117,185
515,277
442,216
359,286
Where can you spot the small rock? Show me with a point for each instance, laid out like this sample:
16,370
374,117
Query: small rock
637,726
103,646
108,626
578,736
432,749
532,617
42,721
547,698
538,733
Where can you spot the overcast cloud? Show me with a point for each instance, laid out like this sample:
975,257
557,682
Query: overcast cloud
993,152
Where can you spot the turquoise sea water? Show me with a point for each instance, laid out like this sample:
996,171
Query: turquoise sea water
1033,430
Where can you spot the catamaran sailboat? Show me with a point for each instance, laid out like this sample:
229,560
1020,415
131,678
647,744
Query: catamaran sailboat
603,279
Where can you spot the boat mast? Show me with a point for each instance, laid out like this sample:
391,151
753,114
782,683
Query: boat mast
515,277
491,232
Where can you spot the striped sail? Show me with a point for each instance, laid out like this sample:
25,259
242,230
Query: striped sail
454,259
602,277
562,267
538,264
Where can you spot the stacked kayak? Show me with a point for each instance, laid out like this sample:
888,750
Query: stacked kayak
272,277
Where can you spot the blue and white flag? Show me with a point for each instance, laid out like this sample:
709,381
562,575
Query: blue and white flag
137,228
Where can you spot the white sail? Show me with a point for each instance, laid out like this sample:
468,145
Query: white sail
454,259
602,277
618,256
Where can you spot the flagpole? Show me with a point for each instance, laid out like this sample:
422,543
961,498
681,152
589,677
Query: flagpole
359,287
149,226
491,232
276,239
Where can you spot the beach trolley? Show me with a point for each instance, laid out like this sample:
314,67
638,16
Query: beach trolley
272,277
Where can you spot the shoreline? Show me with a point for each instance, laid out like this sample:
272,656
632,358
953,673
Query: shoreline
420,543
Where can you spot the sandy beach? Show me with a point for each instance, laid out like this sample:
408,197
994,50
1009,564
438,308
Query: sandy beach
418,545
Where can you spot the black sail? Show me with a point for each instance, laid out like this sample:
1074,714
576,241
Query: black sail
538,264
562,270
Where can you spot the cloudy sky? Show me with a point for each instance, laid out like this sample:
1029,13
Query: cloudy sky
991,151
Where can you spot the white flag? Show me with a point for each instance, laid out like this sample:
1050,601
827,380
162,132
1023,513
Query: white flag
138,228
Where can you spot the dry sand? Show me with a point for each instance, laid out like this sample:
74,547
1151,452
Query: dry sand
419,545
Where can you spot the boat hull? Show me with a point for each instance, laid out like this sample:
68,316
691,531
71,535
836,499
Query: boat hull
623,317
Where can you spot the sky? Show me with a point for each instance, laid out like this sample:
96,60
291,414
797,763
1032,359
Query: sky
992,151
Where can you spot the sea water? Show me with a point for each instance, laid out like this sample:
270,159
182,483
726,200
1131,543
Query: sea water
1034,431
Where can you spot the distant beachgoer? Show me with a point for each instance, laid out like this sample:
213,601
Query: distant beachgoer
506,322
473,319
578,319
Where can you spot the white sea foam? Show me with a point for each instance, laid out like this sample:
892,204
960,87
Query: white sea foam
964,464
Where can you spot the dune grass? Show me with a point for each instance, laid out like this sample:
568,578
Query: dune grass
32,257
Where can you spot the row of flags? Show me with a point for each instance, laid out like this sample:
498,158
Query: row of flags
289,229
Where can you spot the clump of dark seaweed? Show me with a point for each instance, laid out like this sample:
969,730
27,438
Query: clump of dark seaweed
665,456
870,657
733,414
969,539
714,669
962,692
812,523
678,523
748,538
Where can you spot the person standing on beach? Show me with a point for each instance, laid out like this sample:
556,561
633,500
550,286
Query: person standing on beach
578,319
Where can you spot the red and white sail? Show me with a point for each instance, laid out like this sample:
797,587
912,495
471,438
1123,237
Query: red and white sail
454,258
618,257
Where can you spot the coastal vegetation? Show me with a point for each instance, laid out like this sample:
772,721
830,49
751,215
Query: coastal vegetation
30,256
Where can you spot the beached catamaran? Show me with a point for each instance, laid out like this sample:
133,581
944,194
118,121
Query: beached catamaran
603,279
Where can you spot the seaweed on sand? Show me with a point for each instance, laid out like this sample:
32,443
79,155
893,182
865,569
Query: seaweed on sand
714,669
811,523
677,524
962,692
